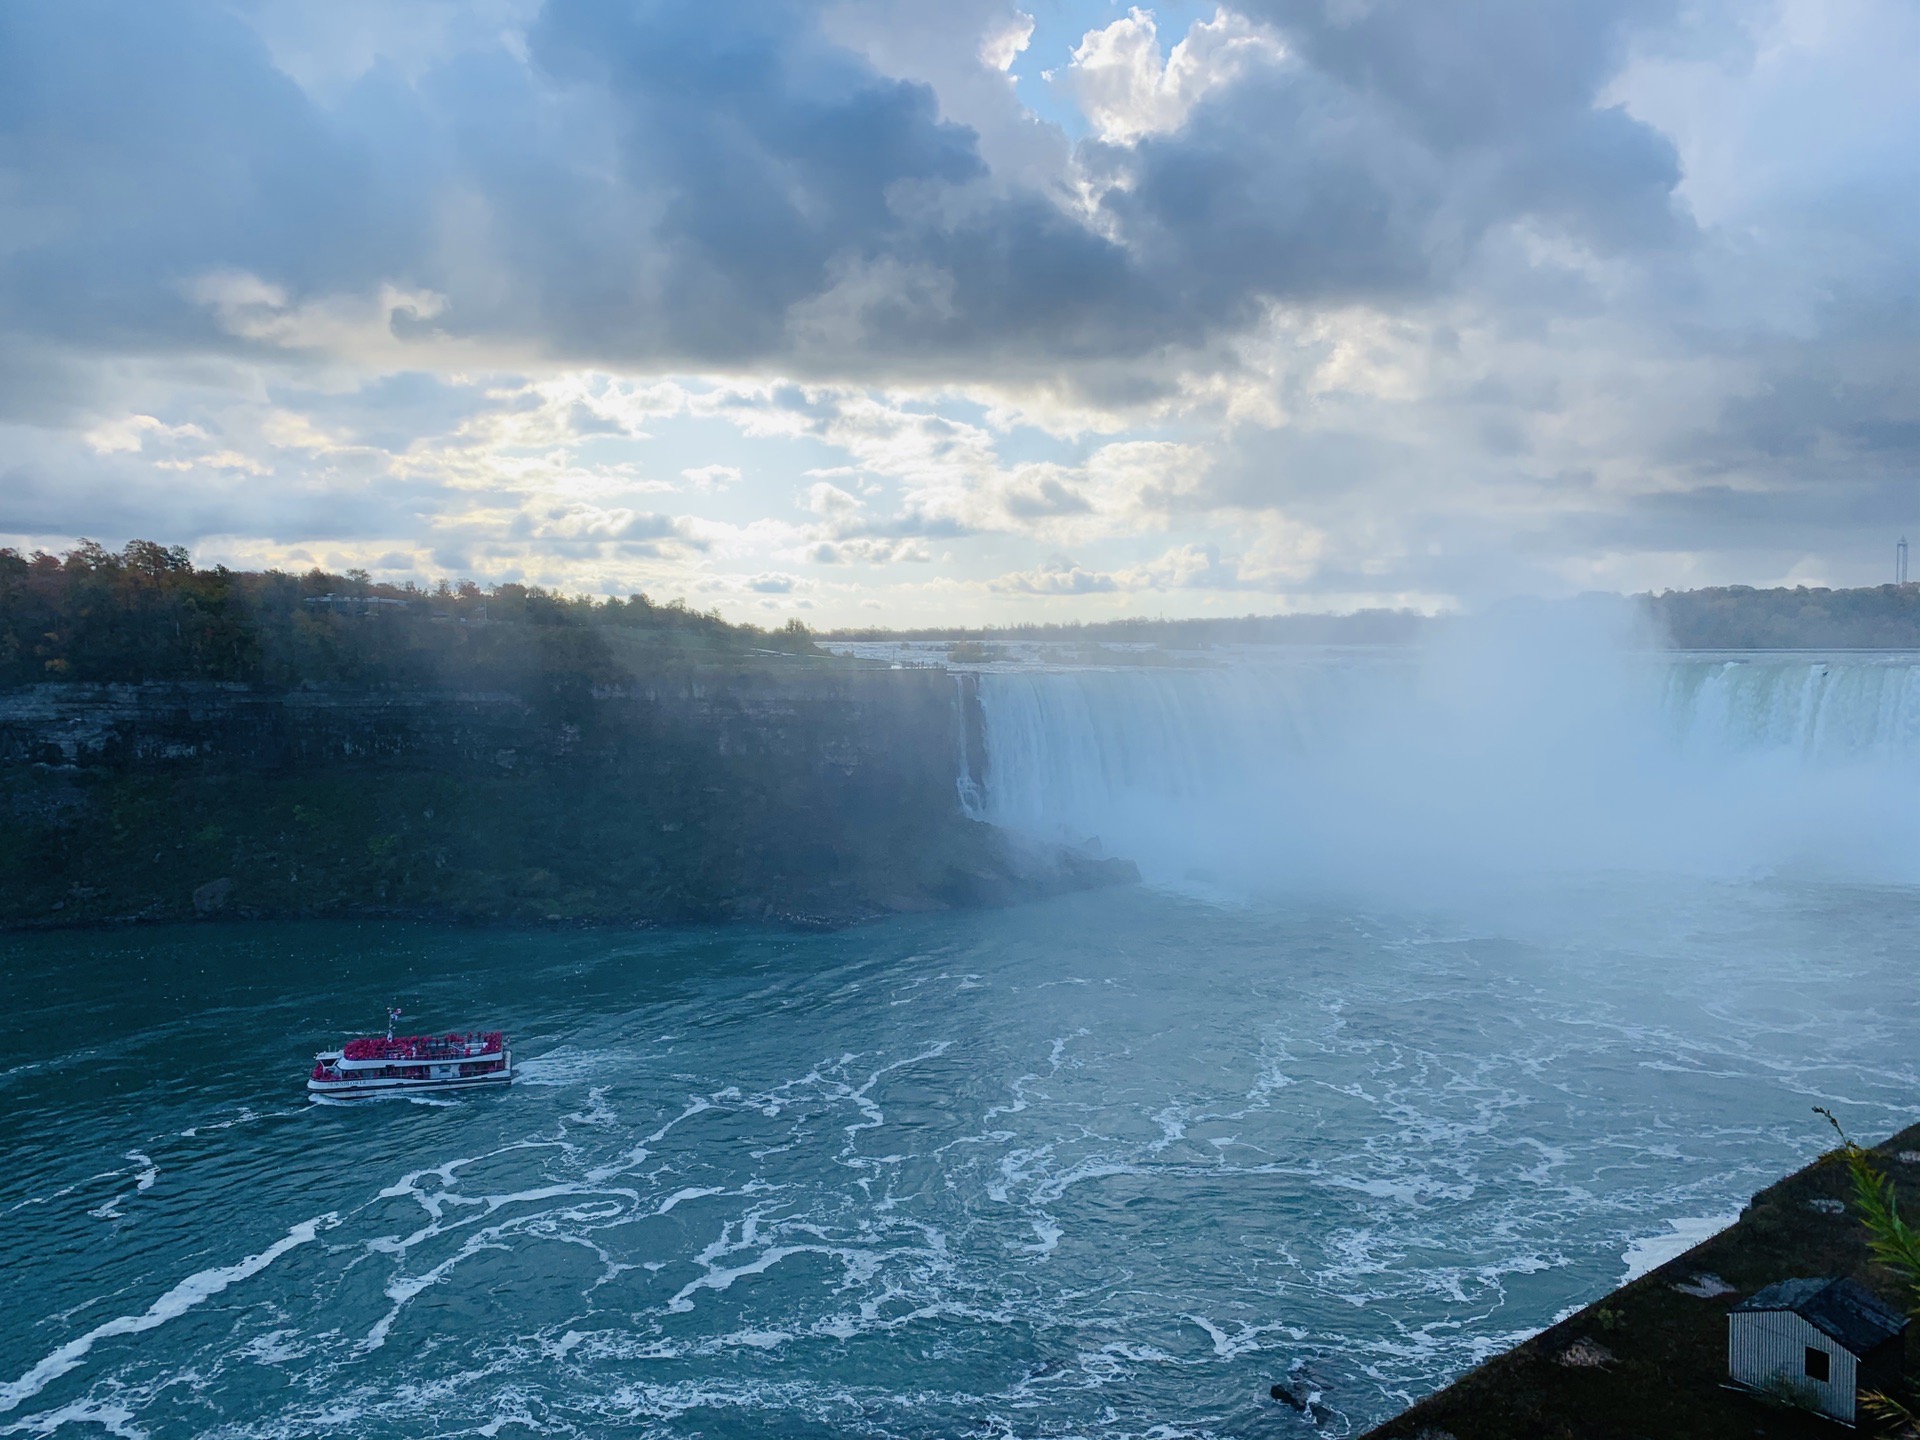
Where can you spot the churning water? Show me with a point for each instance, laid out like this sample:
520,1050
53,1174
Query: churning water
1307,1109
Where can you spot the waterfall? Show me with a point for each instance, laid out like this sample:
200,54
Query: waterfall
1064,747
1821,709
1340,760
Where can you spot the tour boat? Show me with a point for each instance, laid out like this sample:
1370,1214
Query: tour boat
382,1065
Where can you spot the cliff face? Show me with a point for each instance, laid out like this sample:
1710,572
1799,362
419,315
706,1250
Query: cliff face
809,791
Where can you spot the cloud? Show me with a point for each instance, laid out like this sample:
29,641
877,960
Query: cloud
869,550
130,434
1002,45
711,477
1281,556
1313,297
825,498
1058,576
1036,494
1126,91
635,184
588,523
365,328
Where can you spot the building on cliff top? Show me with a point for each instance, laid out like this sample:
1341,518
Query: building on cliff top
1820,1342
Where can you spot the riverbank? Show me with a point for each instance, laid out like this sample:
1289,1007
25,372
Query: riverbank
1650,1359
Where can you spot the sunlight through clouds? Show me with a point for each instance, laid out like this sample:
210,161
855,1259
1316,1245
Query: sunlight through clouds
975,311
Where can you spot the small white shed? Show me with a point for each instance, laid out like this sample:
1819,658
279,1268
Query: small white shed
1821,1341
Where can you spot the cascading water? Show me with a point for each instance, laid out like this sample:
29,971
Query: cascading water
1833,709
1351,766
1064,747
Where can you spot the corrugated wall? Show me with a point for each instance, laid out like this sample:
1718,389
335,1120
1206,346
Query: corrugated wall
1769,1345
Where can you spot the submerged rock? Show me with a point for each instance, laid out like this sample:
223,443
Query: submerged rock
1286,1396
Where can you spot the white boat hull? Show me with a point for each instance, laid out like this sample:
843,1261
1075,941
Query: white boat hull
410,1085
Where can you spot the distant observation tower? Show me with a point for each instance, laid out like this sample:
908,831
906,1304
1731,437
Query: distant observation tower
1900,562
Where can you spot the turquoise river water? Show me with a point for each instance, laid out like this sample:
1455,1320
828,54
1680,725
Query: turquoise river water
1110,1165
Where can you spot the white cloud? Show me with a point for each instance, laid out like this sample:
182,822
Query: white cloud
130,433
380,327
711,477
824,498
770,583
1058,576
1126,91
1002,44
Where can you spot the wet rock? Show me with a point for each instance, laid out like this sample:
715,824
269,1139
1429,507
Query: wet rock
1586,1354
212,896
1705,1286
1287,1396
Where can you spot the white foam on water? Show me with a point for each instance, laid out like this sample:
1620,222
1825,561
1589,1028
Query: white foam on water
246,1116
143,1181
698,1192
196,1289
1246,1339
114,1419
62,1192
1047,1237
598,1206
1651,1252
276,1347
598,1112
722,1278
565,1065
355,1102
634,1157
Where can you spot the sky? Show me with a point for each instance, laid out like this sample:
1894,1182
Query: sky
888,312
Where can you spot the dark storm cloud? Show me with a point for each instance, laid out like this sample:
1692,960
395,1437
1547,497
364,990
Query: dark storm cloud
142,145
662,183
1506,90
768,153
59,495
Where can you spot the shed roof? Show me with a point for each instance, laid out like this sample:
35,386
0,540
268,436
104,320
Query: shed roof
1839,1309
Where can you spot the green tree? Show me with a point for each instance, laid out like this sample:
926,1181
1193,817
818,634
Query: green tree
1892,1242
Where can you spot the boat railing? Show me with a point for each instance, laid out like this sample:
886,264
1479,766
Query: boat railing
416,1048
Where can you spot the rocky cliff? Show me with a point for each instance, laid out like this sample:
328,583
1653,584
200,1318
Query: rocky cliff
815,791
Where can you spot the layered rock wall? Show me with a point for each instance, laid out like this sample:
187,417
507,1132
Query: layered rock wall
805,790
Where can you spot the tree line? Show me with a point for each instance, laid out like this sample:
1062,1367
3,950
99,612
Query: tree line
1737,617
147,612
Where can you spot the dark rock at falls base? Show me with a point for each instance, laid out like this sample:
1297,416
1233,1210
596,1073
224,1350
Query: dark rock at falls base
815,793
